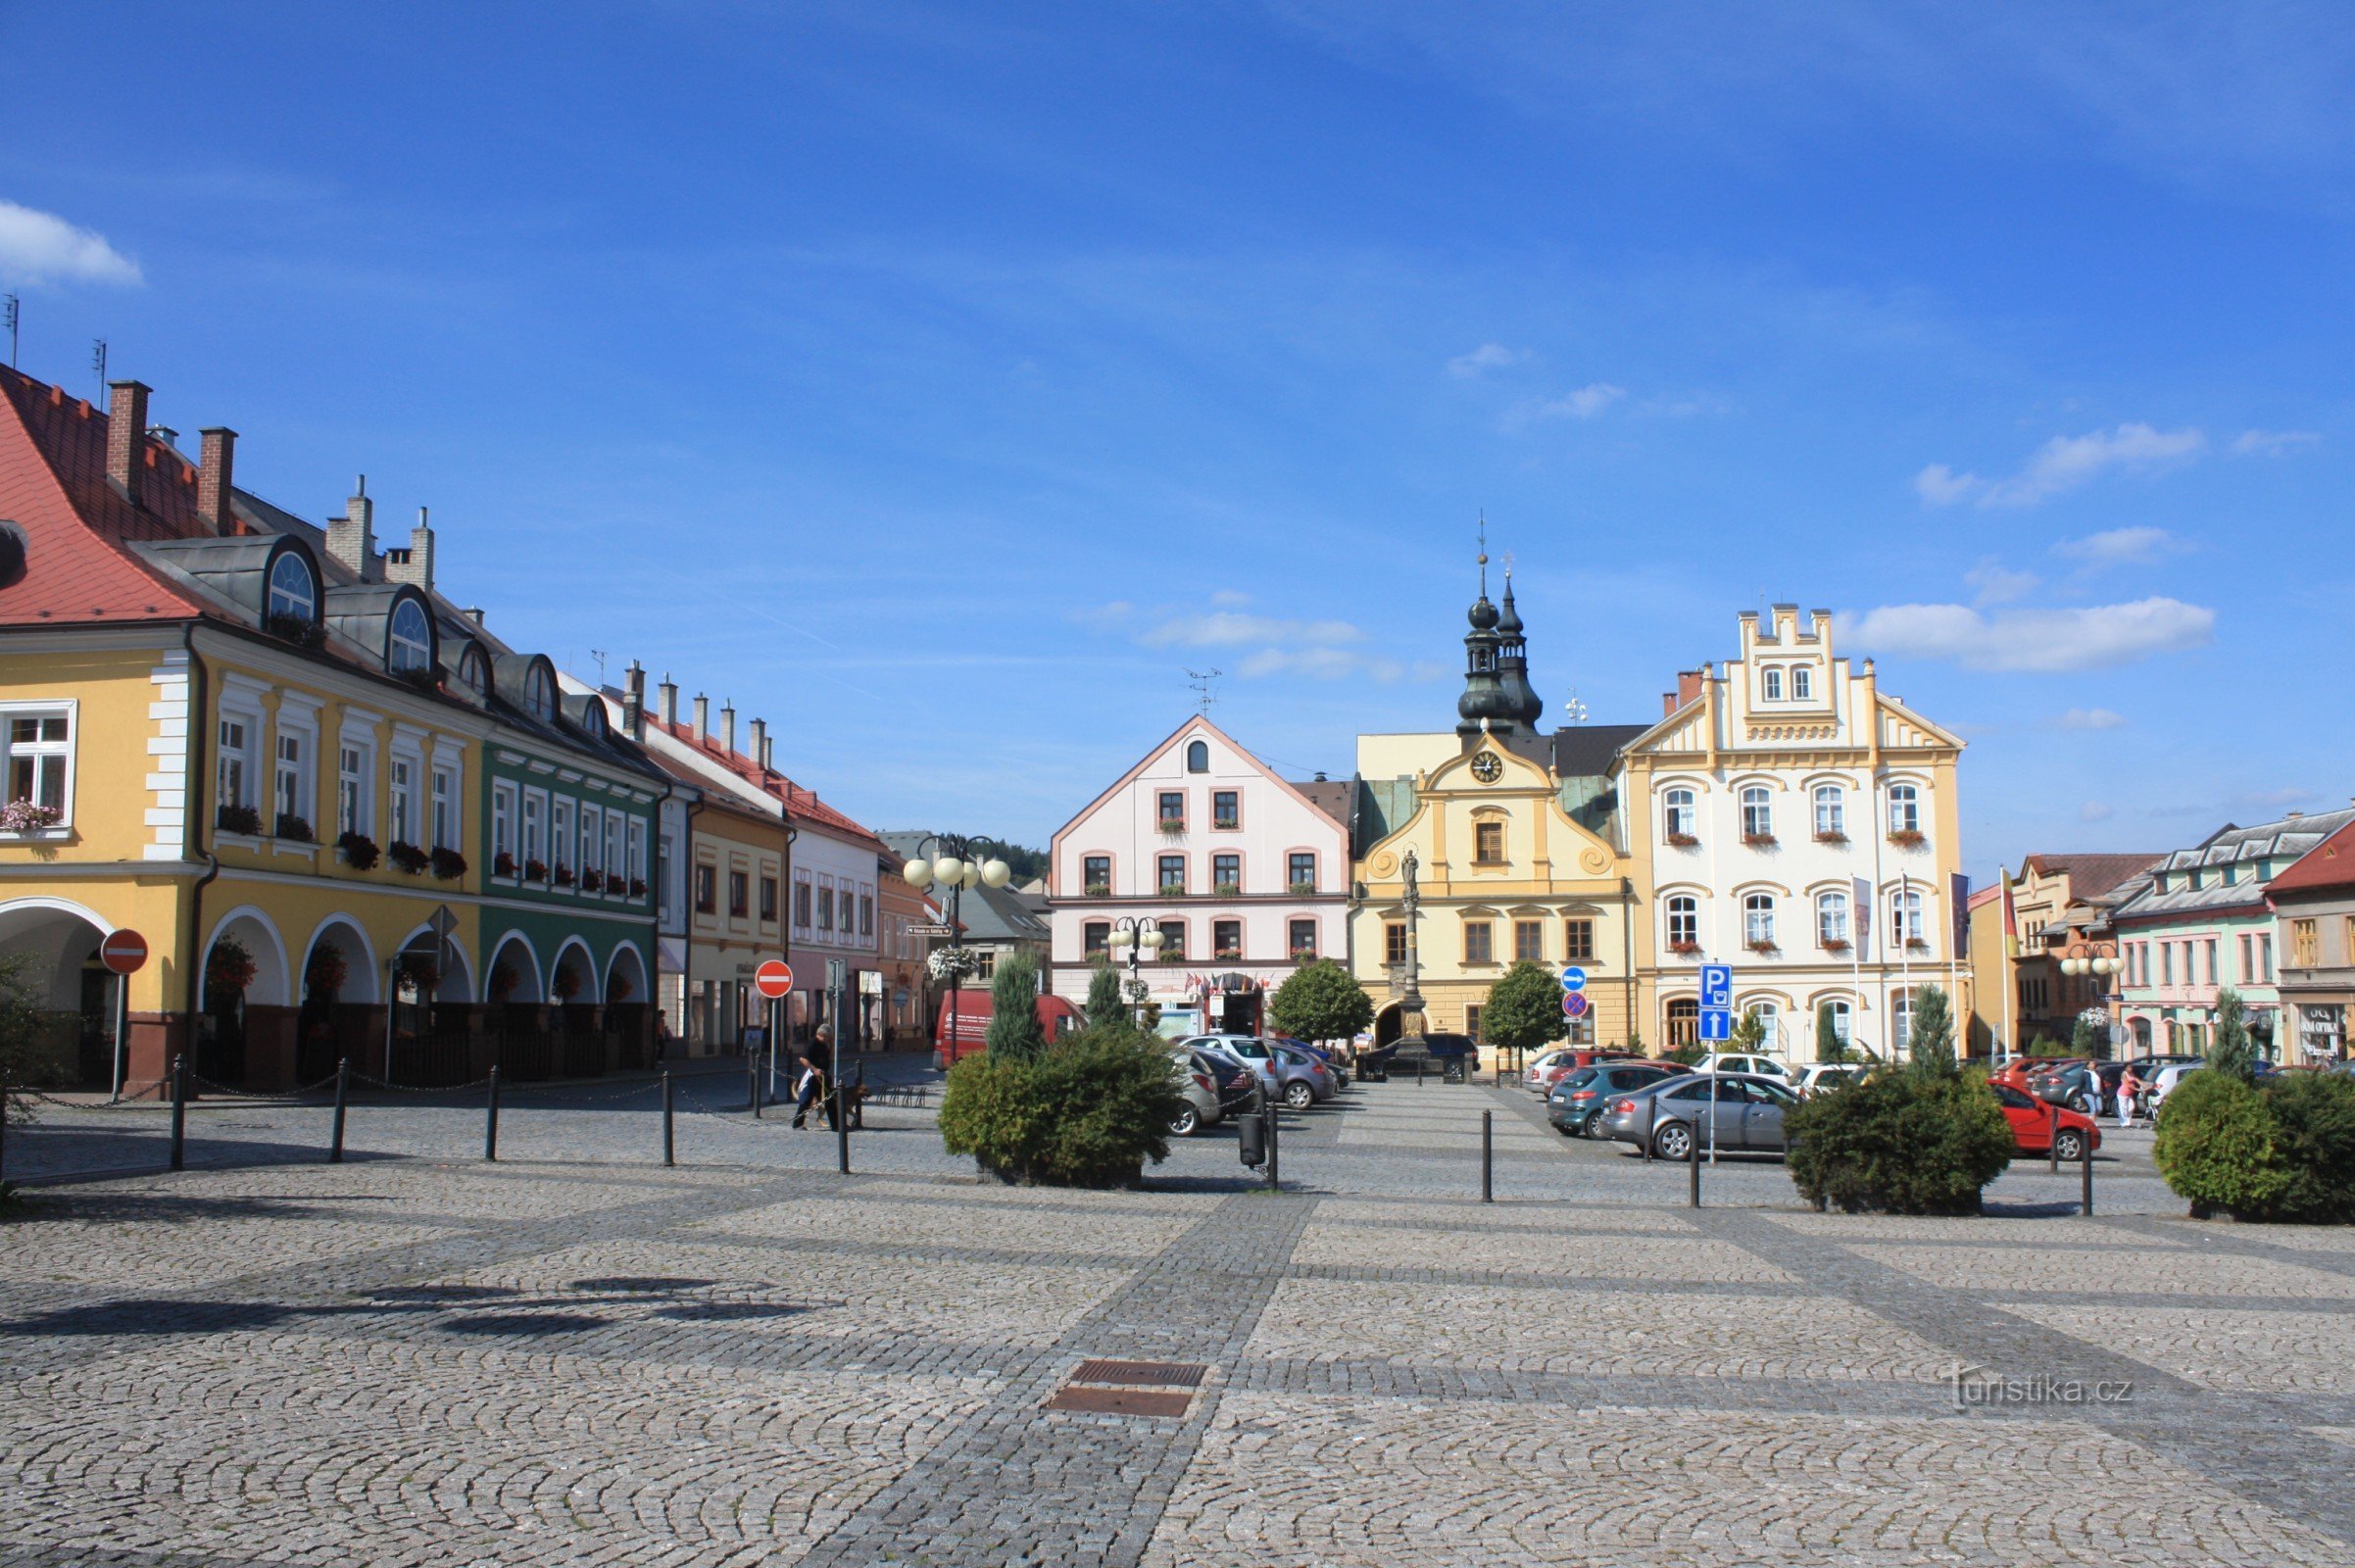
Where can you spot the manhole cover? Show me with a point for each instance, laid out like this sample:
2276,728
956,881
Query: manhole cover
1120,1402
1164,1374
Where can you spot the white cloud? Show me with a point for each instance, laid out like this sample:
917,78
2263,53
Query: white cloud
1227,629
2089,719
2273,443
41,247
1941,486
1230,599
2063,464
1998,584
2119,547
1583,404
1319,664
1484,359
2036,641
2095,811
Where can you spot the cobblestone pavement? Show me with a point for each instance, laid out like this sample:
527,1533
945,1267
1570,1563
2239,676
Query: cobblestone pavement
576,1356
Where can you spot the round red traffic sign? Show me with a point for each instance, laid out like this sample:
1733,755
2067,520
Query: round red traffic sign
773,979
1574,1005
124,953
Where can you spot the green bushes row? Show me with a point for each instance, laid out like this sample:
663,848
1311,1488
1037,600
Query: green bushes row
2280,1152
1903,1142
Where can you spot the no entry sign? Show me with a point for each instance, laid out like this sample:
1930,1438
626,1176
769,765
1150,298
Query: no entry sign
773,979
124,953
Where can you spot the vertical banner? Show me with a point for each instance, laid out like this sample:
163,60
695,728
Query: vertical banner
1862,898
1958,896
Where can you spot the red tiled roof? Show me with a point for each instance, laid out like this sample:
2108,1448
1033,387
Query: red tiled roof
2092,875
800,805
53,485
2329,864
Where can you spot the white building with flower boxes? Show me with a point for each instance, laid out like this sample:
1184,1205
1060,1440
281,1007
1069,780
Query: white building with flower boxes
1232,876
1789,818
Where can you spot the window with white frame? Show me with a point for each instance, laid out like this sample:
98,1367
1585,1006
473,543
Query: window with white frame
409,644
1842,1020
402,826
1684,921
503,820
671,858
40,762
1770,1024
616,862
446,825
592,840
233,771
355,789
1757,813
1904,809
1831,920
1905,917
561,812
535,828
637,849
1831,811
1802,683
1900,1021
1774,684
1758,920
290,784
1680,818
293,596
825,903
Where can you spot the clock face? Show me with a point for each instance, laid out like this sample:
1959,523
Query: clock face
1487,768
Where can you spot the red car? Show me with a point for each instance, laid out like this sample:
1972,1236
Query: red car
2037,1126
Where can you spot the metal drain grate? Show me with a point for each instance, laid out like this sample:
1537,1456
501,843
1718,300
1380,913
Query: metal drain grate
1161,1374
1121,1401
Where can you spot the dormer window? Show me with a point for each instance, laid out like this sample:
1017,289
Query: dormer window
1773,685
474,673
539,694
293,596
409,644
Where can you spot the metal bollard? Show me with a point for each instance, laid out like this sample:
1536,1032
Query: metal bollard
1692,1162
752,1084
490,1119
1275,1179
180,1113
2052,1134
1418,1072
668,1147
2085,1174
343,1090
1487,1156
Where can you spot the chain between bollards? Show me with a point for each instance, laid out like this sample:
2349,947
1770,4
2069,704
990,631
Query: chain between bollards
343,1095
1487,1156
490,1119
668,1144
180,1113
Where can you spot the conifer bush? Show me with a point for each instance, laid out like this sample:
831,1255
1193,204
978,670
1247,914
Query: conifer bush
2280,1152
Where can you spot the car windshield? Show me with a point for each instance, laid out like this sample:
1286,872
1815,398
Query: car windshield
1251,1049
1773,1095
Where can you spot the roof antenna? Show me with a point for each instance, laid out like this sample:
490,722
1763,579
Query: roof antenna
1201,683
10,308
598,653
98,363
1484,552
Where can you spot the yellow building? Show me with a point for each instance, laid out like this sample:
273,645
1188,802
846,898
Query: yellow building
1512,858
259,745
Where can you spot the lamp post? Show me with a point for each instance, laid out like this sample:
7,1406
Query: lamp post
953,870
1134,939
2081,960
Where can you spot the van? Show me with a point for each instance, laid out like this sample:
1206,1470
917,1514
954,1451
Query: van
969,1030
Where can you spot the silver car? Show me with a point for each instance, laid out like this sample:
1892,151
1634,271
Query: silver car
1196,1080
1291,1076
1674,1118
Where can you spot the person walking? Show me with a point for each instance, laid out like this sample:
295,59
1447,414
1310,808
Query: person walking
2129,1090
815,1058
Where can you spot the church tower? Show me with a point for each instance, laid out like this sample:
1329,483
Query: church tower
1496,687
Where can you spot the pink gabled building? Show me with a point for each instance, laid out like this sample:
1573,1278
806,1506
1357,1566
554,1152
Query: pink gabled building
1242,874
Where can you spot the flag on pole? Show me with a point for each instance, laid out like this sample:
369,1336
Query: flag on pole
1862,898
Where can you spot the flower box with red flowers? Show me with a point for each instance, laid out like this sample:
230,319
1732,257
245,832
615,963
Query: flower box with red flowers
1759,841
358,850
407,857
237,819
592,880
535,870
295,829
1764,947
1835,839
637,887
1682,841
449,864
503,865
1906,838
1917,945
565,877
1834,945
1684,950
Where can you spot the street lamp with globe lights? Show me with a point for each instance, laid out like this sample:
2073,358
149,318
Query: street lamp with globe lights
2101,965
954,868
1135,939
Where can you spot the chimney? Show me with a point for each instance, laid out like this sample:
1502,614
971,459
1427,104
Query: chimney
165,434
760,743
415,564
768,755
126,432
633,701
212,477
727,728
474,613
666,697
703,717
351,537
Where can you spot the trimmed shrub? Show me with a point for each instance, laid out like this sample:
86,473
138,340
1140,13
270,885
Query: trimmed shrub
2217,1146
1014,1027
1902,1143
1087,1111
1320,1000
2283,1151
1524,1008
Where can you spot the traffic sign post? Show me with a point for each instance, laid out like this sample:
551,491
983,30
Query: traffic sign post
773,979
1717,986
125,954
1716,1024
1574,979
1574,1005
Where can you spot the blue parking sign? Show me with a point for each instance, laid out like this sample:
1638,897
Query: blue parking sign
1717,985
1573,978
1717,1023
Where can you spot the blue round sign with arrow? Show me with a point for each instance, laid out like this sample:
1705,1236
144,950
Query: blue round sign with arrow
1573,978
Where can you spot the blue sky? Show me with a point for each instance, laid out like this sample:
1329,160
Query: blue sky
943,383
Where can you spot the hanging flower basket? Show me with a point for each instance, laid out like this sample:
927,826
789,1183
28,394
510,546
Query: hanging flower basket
503,865
449,864
618,988
24,817
503,980
567,984
422,973
326,974
409,858
295,829
229,971
237,819
358,850
949,963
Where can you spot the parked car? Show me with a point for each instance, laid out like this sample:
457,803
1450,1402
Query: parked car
1237,1082
1331,1057
1450,1056
2041,1127
1674,1118
1578,1100
1547,1069
1196,1079
1302,1078
1763,1066
1829,1075
2077,1085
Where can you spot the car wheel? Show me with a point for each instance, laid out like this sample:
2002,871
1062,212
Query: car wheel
1186,1123
1673,1141
2070,1146
1299,1096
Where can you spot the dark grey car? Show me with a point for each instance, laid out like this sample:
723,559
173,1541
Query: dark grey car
1674,1118
1576,1105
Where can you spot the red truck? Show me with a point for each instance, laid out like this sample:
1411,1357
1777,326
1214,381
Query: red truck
968,1032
